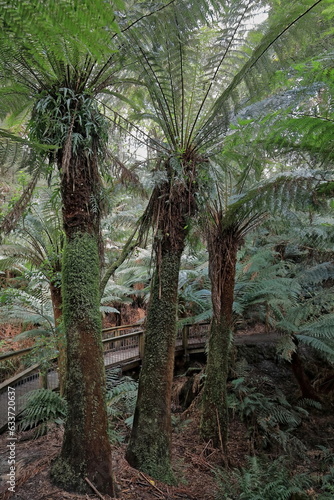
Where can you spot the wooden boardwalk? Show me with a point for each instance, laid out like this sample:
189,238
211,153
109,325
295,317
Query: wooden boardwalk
124,350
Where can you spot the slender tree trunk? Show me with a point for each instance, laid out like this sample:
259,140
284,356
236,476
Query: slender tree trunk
150,444
86,450
56,299
223,247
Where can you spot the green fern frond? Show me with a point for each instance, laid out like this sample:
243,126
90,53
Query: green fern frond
261,480
322,328
121,394
317,274
43,407
285,345
323,347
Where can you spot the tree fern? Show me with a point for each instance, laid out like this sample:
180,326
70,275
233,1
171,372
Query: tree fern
270,418
324,347
38,239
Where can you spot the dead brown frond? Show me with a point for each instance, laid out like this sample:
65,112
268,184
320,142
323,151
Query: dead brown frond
125,175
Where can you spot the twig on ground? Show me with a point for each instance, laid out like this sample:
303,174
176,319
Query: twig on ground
151,483
94,489
49,494
206,446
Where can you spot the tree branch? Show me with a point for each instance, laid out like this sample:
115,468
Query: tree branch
129,246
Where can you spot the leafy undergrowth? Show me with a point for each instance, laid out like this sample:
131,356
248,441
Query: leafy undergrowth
279,447
196,463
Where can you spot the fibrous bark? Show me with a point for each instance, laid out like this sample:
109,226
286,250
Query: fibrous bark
56,298
304,383
150,444
223,247
86,450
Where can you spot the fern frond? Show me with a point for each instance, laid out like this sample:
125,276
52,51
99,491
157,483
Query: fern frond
286,346
323,347
317,274
43,407
323,327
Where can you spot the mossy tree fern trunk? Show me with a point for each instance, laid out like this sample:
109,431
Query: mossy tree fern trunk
86,450
150,444
223,245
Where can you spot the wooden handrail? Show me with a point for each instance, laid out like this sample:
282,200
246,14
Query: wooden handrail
139,333
122,327
17,377
34,367
125,336
12,354
134,353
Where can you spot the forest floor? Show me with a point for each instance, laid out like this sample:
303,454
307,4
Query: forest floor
195,462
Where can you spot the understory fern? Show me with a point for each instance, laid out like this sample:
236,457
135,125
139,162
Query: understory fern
270,418
43,408
261,480
121,401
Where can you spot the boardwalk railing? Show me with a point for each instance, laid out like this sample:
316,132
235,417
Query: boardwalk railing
124,350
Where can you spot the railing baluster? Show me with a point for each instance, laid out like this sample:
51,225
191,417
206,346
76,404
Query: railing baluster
141,338
185,340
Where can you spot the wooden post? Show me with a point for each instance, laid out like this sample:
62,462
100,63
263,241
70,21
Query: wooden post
43,378
185,337
141,339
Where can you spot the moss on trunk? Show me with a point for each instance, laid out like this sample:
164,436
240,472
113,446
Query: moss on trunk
86,450
214,418
223,245
56,298
169,208
150,445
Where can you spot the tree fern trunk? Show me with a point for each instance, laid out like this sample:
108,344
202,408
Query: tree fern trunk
304,383
223,247
150,444
86,450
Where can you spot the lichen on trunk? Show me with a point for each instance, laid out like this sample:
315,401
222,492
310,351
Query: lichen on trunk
86,450
150,444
